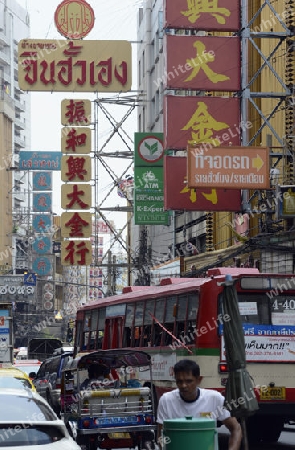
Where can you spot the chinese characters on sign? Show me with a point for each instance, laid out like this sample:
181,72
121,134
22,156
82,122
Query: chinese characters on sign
203,63
74,66
212,121
76,196
211,15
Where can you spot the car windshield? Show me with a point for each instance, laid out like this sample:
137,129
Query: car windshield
14,383
23,408
22,435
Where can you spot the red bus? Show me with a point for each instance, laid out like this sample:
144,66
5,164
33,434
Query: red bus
189,309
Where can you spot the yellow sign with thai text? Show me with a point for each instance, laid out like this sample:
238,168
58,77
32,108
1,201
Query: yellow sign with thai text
74,66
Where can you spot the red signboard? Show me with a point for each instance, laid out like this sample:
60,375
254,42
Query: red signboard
202,14
203,63
210,121
178,196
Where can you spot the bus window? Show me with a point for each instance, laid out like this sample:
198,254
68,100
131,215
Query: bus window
93,329
100,327
86,328
149,309
129,319
169,320
78,334
156,334
147,323
181,328
192,310
254,309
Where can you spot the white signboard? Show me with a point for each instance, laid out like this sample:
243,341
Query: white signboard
267,348
162,367
248,308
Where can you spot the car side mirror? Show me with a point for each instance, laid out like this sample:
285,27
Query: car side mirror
32,375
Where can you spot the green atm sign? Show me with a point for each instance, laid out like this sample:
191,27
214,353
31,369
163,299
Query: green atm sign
149,197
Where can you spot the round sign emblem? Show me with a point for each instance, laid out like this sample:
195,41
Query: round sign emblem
74,19
48,305
150,149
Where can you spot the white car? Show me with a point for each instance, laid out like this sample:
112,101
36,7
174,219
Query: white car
28,422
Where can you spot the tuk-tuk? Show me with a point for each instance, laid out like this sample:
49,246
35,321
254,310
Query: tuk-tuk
116,411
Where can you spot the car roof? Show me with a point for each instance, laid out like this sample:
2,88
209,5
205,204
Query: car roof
23,393
29,394
12,372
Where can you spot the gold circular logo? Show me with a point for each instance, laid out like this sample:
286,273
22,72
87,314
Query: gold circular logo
74,19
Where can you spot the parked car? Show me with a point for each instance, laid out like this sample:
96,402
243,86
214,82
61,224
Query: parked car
48,379
28,366
27,421
12,377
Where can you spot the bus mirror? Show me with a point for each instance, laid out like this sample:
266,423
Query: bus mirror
175,310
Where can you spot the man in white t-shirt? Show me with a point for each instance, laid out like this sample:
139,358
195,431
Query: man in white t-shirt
191,400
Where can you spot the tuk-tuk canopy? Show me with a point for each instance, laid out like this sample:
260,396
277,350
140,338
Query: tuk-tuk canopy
114,359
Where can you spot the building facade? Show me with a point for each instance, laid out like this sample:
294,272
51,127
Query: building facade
14,137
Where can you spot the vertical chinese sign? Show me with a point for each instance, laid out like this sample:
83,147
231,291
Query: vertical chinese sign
148,184
202,64
42,164
76,173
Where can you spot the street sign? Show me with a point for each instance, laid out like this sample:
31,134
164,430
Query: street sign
30,279
228,167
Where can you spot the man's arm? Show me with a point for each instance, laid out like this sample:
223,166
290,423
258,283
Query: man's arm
159,435
235,433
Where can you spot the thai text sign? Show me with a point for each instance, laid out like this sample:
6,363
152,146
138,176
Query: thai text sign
177,194
203,14
228,167
39,160
203,63
75,66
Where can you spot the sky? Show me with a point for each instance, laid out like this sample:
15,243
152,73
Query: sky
114,20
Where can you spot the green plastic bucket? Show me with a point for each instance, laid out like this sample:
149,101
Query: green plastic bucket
190,433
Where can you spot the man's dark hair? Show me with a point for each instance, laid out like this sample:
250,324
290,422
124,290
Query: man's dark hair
187,365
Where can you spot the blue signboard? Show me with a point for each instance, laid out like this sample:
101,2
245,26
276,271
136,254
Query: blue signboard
42,244
42,265
39,160
30,279
42,181
42,202
42,223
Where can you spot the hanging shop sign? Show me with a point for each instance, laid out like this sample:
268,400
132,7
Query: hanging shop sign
43,265
76,140
74,66
76,224
212,121
42,223
75,112
42,201
29,160
214,15
228,167
42,181
194,62
179,196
